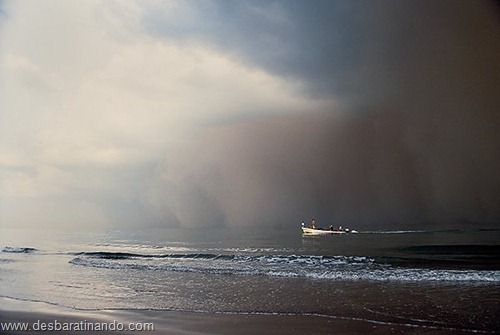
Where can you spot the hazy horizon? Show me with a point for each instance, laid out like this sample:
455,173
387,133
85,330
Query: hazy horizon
375,114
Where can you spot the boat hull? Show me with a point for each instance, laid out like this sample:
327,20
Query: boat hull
311,231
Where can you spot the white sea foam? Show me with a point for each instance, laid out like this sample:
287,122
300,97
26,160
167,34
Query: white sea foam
292,266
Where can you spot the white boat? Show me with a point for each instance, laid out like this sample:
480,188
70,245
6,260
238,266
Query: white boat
315,231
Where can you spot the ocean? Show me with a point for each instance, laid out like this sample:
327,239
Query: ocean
424,279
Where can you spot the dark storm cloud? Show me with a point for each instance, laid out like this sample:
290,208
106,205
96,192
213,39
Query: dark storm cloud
310,40
355,49
418,143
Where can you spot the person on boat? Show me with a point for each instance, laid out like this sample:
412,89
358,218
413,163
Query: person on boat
313,223
331,227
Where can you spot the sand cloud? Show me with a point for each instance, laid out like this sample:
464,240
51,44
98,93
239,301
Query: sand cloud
194,114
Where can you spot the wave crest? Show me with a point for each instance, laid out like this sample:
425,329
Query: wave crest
288,266
19,250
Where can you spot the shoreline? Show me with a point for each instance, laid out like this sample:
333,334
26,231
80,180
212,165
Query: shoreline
35,314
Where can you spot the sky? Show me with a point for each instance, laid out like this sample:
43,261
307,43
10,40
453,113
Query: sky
370,114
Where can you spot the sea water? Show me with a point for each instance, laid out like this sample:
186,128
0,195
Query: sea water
435,279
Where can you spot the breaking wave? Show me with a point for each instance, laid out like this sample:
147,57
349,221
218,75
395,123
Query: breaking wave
288,266
19,250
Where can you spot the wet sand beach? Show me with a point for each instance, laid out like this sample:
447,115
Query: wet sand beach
190,323
38,315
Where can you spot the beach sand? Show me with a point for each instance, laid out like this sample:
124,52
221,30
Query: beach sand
190,323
